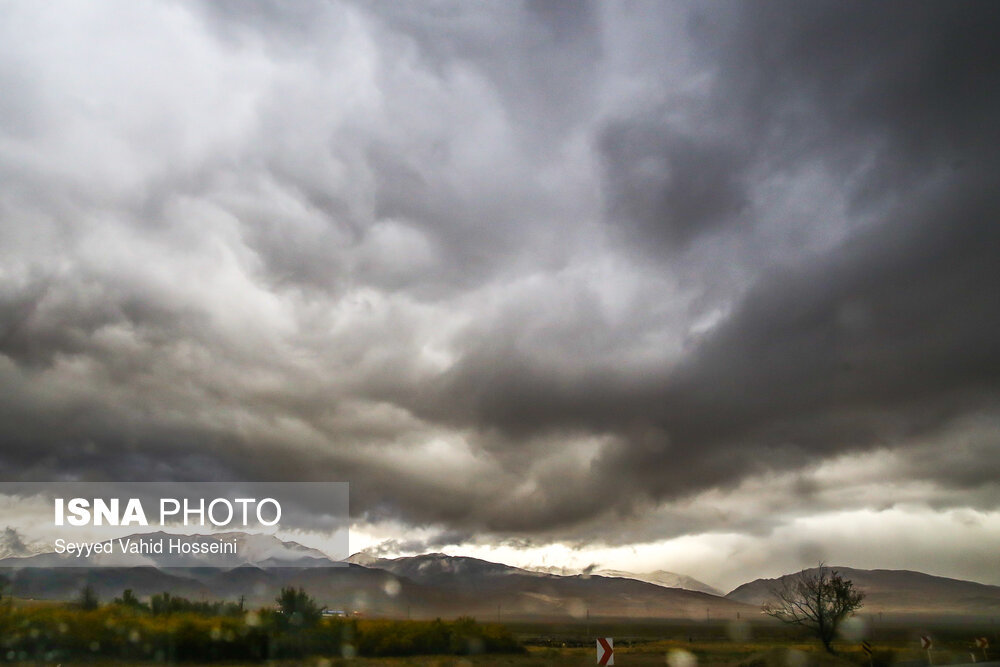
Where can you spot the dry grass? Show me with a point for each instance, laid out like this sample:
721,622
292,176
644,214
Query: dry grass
677,644
707,654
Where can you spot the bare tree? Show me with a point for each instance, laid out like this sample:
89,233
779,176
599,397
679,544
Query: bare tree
815,599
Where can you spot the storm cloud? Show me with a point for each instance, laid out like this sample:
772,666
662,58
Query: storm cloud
507,268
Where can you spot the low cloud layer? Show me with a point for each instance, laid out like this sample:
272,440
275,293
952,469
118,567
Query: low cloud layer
508,268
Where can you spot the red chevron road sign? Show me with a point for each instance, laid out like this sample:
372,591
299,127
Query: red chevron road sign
605,651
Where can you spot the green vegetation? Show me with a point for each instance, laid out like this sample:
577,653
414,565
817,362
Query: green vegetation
297,610
163,604
460,637
88,599
759,642
174,630
168,628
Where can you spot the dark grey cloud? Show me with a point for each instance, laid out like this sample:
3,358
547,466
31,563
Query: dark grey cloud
884,338
480,260
668,186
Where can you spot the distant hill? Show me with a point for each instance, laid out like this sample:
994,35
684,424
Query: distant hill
429,566
664,578
898,592
439,568
252,549
440,585
12,545
481,586
422,586
659,577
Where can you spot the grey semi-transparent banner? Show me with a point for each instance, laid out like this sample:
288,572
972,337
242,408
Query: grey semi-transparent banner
174,524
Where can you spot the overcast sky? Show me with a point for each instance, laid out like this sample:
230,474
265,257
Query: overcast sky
707,287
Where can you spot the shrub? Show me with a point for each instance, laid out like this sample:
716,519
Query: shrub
162,631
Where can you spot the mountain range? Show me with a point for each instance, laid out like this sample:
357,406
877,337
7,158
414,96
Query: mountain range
659,577
251,549
897,592
432,585
484,587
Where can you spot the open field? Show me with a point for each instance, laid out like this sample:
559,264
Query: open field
803,655
704,644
